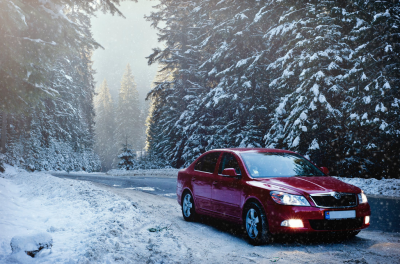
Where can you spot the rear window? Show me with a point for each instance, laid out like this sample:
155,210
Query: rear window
208,162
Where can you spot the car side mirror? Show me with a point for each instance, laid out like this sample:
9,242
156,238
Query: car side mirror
231,172
325,170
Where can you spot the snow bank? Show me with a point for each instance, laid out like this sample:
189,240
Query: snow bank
86,223
386,187
173,173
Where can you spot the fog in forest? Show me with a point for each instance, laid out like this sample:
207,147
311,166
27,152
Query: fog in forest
125,40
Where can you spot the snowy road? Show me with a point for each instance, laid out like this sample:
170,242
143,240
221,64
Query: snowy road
95,223
385,210
163,186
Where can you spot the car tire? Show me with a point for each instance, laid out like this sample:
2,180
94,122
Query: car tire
188,207
256,224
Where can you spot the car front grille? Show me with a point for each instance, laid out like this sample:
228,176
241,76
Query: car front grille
329,201
339,224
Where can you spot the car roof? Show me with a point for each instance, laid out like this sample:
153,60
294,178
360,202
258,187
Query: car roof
241,150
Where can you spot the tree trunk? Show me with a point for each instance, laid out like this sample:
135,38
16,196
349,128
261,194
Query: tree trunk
3,133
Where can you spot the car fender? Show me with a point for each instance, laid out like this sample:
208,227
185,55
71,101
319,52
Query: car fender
183,183
252,197
180,196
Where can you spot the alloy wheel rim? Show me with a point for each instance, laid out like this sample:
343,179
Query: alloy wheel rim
251,223
187,205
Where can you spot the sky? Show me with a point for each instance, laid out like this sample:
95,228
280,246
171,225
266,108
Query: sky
125,40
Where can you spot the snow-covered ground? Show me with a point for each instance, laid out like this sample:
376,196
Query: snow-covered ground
385,187
90,223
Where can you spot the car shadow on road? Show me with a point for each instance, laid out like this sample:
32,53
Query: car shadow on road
325,238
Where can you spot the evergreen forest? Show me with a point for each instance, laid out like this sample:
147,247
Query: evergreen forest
119,126
319,77
46,83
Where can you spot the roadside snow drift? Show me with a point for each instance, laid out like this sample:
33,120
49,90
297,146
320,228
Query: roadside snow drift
85,222
386,187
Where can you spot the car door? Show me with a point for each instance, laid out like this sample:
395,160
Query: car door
202,179
227,191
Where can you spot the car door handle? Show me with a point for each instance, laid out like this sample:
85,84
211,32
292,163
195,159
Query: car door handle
194,178
215,182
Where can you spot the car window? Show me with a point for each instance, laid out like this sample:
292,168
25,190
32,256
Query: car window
268,164
208,162
229,161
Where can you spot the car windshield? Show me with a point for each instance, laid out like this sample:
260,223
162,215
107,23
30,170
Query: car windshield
269,164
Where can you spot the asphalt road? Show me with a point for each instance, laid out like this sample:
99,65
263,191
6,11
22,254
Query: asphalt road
154,185
385,211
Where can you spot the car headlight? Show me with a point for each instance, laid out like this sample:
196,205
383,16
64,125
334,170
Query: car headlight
362,198
289,199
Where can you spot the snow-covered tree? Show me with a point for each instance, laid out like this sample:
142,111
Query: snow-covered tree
129,123
34,34
3,140
105,127
218,96
127,157
2,156
312,64
61,128
372,101
233,99
154,131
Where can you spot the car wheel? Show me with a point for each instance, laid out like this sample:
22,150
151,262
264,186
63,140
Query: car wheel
256,225
188,208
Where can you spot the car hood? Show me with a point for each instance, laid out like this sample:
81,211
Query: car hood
309,185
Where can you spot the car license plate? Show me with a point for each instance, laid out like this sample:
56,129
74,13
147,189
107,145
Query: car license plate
340,214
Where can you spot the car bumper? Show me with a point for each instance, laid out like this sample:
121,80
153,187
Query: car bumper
313,219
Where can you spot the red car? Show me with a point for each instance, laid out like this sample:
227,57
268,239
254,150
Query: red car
270,191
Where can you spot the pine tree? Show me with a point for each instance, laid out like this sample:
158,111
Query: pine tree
34,34
105,127
309,117
3,141
372,102
63,122
129,125
127,157
2,169
154,131
232,103
217,91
